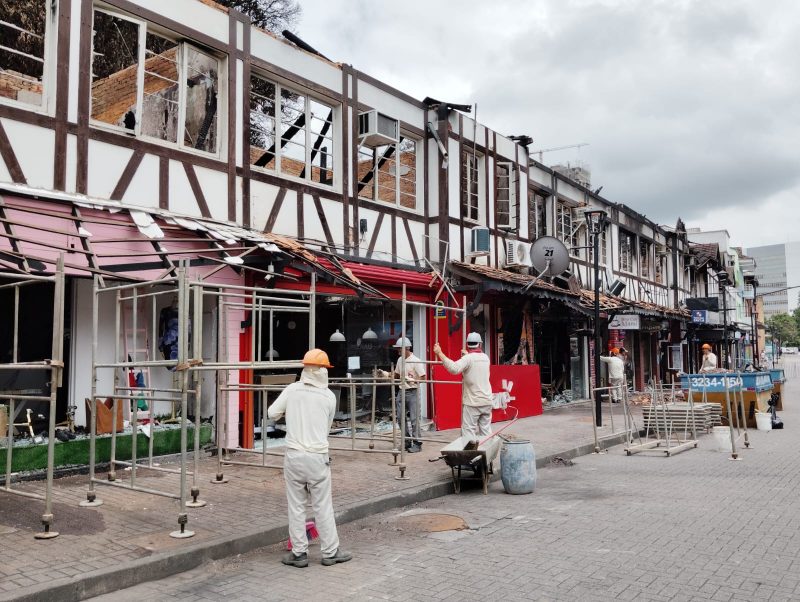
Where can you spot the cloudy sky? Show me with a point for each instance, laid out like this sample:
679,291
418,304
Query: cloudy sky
691,108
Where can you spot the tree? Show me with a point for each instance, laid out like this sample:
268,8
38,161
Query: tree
784,328
272,15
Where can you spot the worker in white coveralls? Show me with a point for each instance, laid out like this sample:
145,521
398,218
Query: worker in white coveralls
709,359
309,407
476,392
415,371
616,373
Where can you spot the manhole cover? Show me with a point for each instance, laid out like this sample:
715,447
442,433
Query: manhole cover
431,523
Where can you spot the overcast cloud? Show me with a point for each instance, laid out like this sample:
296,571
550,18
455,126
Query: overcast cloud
691,108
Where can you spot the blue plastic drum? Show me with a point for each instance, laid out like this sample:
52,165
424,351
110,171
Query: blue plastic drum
518,467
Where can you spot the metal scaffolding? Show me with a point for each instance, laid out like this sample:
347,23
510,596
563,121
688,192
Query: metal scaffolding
262,304
146,294
55,365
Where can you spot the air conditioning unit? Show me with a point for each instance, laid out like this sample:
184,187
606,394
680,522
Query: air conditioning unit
480,241
376,129
518,254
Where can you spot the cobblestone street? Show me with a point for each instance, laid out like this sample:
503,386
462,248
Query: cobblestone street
694,526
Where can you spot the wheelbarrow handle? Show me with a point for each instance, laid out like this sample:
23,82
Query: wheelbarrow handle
436,459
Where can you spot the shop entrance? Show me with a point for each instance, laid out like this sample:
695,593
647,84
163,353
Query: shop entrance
35,340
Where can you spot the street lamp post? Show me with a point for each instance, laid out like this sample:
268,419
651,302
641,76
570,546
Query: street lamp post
596,223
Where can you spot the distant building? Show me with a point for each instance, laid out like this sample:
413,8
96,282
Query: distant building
777,268
578,173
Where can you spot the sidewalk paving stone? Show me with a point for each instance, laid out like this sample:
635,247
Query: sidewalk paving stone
125,541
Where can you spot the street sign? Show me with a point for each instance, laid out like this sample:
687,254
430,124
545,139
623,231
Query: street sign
699,316
440,310
625,322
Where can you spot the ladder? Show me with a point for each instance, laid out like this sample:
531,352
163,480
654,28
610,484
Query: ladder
136,344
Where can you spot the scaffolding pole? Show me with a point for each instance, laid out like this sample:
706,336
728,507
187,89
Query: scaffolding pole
55,366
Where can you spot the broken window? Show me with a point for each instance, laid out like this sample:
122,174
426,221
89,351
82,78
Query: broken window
23,25
151,85
660,271
537,216
407,174
506,196
202,91
645,249
115,70
566,230
603,241
306,126
388,173
627,248
469,186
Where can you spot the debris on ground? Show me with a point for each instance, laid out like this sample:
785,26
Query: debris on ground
559,461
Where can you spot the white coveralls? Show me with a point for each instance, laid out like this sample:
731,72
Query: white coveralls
309,407
476,393
616,374
709,362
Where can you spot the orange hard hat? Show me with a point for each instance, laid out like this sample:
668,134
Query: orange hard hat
615,350
316,357
706,346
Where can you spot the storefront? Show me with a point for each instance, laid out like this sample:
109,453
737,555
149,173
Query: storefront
357,320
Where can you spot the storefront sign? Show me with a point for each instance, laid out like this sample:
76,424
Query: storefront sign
625,322
699,316
440,310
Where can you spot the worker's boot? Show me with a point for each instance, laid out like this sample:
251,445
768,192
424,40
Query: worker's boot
292,559
339,556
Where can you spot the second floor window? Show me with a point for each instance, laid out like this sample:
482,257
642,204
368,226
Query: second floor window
290,132
537,216
627,251
645,250
506,196
388,173
565,230
23,29
470,187
603,247
147,83
660,269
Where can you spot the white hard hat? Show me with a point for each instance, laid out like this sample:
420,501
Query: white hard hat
403,342
474,339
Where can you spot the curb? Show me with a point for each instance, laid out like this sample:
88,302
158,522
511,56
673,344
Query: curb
166,564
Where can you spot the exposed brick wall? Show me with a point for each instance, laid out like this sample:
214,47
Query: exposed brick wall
115,95
11,84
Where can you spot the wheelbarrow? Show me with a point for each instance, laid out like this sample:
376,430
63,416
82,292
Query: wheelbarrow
479,460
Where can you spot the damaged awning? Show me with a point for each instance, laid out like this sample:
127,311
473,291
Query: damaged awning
108,239
579,299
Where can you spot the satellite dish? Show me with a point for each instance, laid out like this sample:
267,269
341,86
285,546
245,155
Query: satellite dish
549,256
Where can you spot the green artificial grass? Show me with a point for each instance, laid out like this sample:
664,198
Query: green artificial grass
76,452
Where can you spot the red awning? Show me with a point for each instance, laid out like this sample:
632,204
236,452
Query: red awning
391,277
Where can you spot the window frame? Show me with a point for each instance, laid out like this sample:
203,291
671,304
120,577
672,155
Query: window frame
464,177
334,134
513,223
603,247
398,177
146,27
570,239
632,261
47,105
538,209
645,259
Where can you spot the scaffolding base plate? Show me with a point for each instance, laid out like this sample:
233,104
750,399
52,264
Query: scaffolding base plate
93,504
46,535
197,504
182,534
